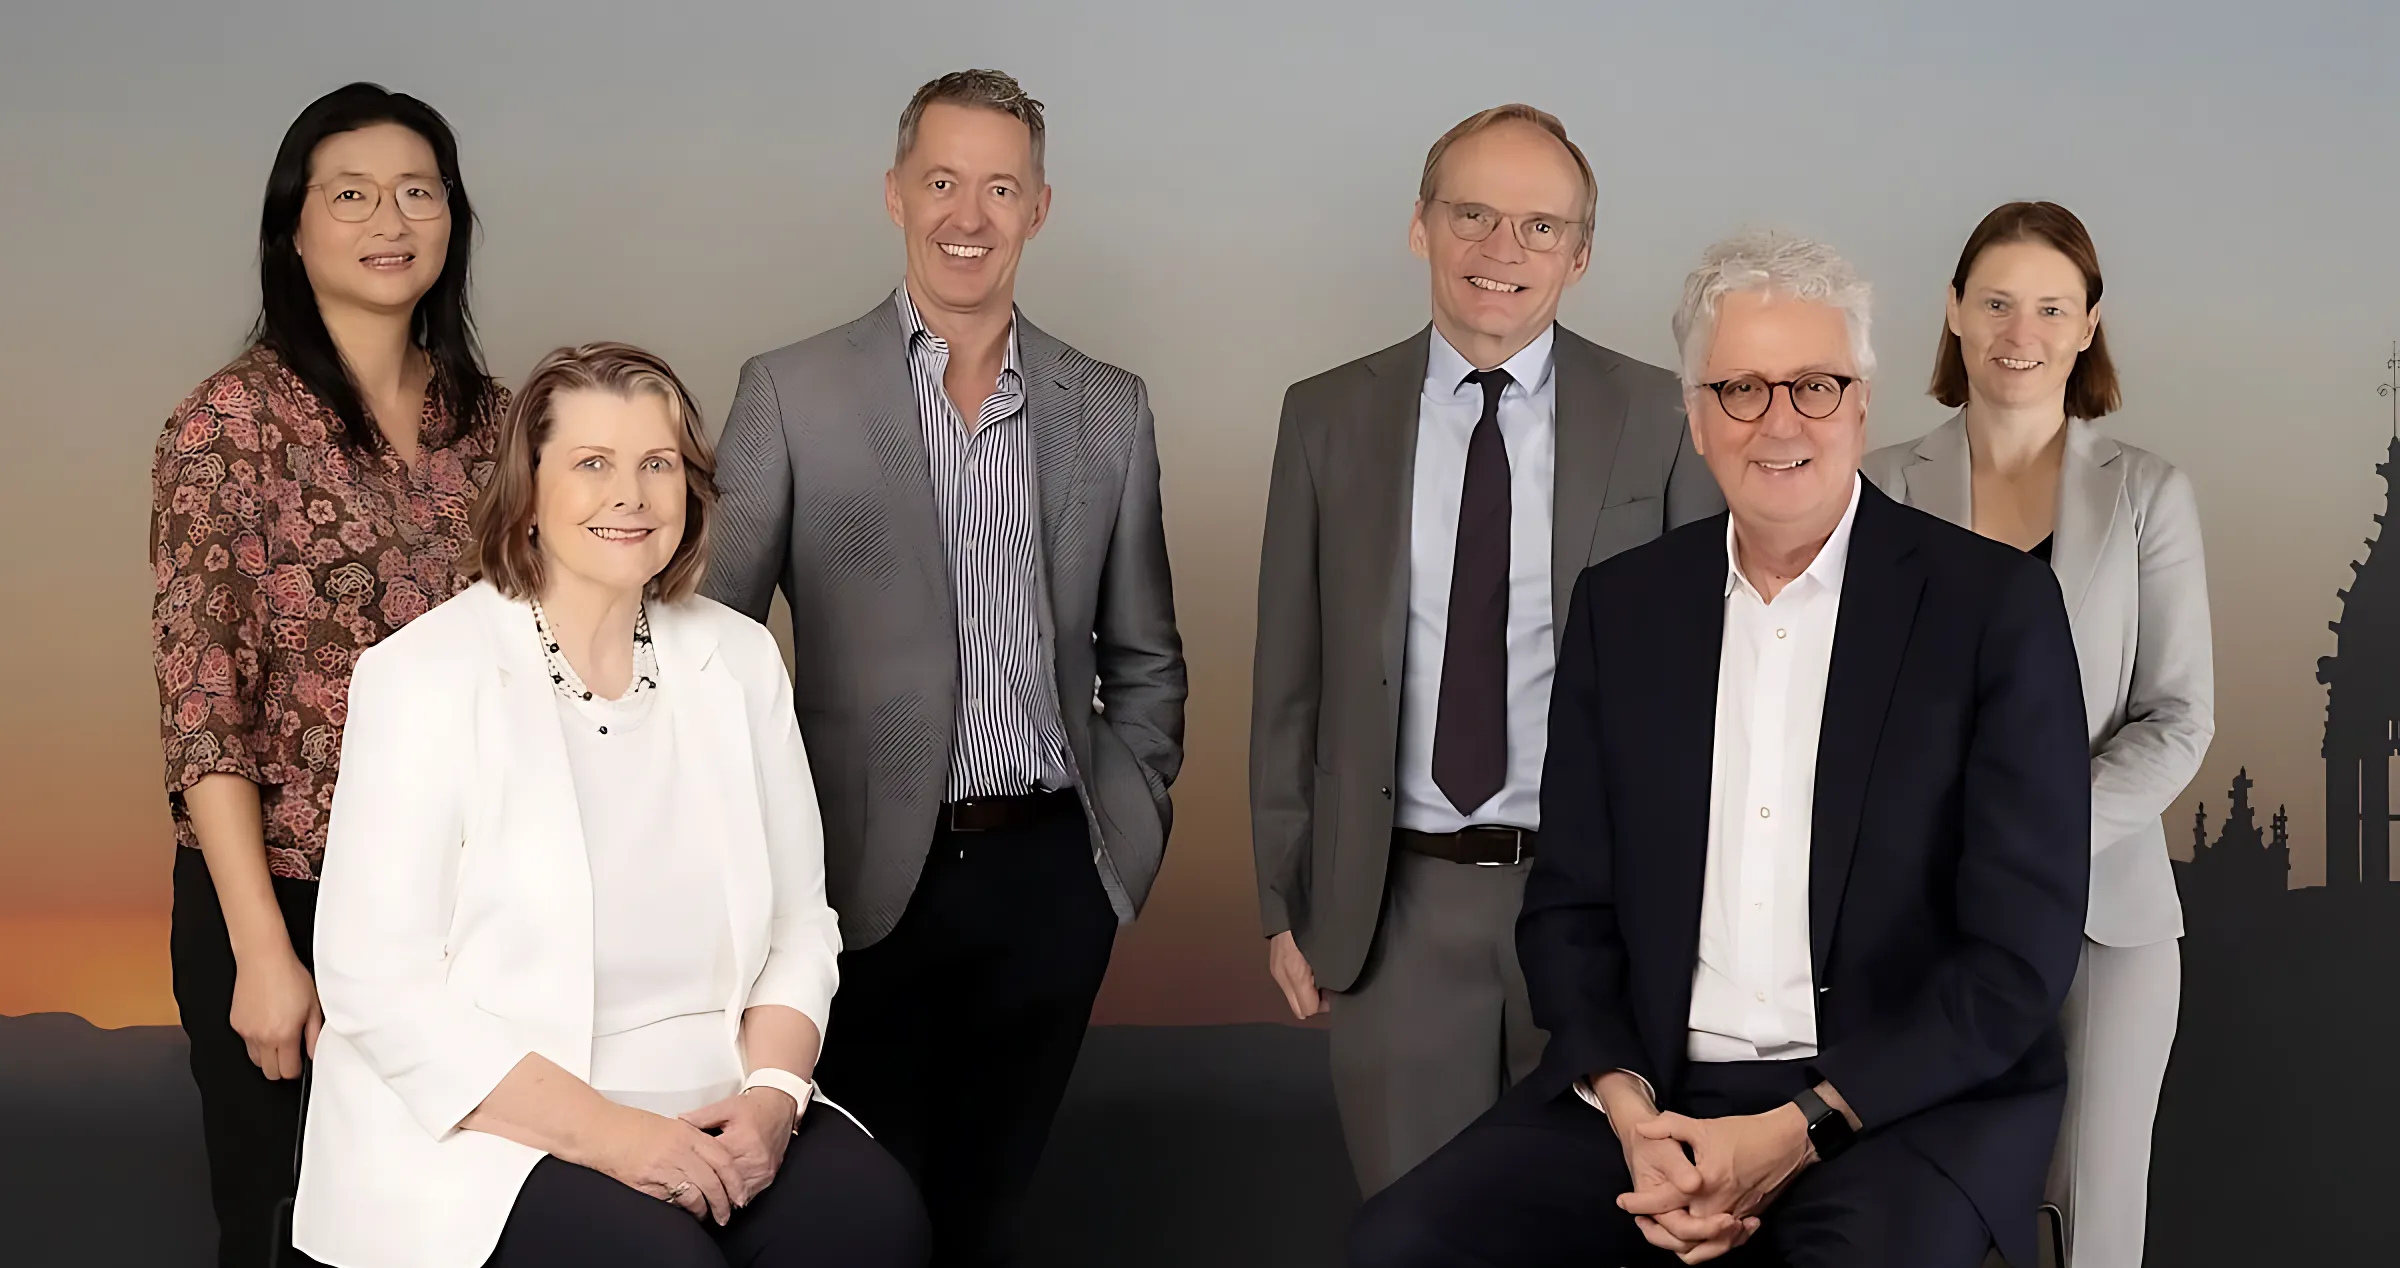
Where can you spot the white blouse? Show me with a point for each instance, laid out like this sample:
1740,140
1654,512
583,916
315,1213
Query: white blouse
662,952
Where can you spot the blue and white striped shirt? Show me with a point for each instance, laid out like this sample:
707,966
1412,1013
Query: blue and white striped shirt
1008,735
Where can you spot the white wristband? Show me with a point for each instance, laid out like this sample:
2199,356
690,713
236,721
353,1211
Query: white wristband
786,1082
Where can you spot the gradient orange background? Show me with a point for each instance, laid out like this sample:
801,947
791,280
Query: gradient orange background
1232,191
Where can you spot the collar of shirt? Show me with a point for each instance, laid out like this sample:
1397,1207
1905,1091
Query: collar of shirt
913,328
1833,558
1446,370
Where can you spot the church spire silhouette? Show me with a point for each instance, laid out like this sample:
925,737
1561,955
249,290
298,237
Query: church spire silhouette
2362,698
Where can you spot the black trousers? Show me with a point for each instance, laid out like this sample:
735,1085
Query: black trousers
249,1123
1535,1182
953,1037
839,1200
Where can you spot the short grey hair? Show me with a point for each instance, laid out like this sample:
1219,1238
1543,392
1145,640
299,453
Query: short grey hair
983,89
1794,267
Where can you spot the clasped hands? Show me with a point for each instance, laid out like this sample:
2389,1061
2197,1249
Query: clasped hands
711,1161
1703,1203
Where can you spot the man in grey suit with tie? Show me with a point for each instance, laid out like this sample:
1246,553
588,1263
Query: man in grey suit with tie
963,514
1430,509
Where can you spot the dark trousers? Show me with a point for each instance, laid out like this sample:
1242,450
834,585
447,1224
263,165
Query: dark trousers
952,1038
839,1200
249,1123
1535,1182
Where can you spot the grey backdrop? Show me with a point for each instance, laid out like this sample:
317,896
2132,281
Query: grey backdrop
1232,191
1232,187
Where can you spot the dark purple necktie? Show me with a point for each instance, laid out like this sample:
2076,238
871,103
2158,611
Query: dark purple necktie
1470,729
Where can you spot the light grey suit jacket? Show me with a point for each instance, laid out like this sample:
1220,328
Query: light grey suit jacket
1333,605
825,491
2126,549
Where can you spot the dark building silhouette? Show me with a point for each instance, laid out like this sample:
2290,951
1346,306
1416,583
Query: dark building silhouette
2242,861
2276,1101
2362,709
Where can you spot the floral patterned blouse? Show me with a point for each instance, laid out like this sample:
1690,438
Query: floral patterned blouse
280,556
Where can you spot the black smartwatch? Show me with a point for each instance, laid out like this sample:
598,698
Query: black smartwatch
1829,1130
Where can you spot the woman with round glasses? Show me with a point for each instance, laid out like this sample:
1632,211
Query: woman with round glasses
2024,359
308,499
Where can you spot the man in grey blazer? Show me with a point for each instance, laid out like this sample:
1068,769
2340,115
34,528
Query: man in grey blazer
1430,508
963,515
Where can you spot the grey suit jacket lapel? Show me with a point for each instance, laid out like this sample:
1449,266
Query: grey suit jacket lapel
2090,480
1589,410
888,400
1942,482
1054,427
1389,444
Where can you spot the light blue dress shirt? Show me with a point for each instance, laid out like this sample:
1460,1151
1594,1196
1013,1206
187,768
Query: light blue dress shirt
1446,416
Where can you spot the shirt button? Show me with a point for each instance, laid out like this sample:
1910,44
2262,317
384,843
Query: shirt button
1762,997
1765,813
1781,633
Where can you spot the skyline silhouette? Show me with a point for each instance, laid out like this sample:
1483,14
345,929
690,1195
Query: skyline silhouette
2269,1133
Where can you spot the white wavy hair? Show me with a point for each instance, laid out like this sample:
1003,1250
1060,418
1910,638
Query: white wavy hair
1799,268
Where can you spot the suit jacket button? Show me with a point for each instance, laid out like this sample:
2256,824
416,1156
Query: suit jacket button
1387,793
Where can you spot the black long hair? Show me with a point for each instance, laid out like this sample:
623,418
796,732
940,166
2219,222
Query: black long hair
288,320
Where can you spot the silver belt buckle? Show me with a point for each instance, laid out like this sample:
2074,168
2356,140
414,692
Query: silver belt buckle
1517,853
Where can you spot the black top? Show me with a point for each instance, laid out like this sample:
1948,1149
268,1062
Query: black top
2041,549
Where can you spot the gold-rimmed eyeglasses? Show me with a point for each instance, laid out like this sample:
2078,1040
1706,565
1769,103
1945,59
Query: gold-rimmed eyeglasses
1745,397
1535,230
353,199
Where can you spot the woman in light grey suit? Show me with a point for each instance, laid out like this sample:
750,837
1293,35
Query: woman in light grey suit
2023,463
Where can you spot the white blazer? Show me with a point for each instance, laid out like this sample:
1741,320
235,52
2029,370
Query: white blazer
454,918
2126,550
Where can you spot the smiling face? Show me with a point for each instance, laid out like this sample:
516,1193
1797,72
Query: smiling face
967,196
2021,321
609,489
1784,475
385,263
1495,296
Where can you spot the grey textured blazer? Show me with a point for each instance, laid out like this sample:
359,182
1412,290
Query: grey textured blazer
1333,605
2127,553
825,492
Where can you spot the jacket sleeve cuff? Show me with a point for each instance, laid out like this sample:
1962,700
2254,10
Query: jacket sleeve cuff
441,1091
801,979
1274,914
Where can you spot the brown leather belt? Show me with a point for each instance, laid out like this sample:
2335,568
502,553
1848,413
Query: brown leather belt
1481,845
1000,814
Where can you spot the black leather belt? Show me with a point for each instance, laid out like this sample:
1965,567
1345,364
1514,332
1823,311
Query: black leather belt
1481,845
999,814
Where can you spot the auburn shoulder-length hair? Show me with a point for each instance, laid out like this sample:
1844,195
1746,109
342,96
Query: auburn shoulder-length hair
2092,384
501,546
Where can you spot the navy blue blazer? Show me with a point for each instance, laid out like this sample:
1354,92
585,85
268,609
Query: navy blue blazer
1949,856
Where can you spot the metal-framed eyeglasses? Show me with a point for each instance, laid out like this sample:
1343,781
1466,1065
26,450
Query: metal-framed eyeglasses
355,199
1746,397
1537,231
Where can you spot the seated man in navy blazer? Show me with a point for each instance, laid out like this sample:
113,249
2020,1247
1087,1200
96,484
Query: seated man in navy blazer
1812,879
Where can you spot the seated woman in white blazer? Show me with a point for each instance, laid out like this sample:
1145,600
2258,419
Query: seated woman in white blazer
574,949
2024,356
